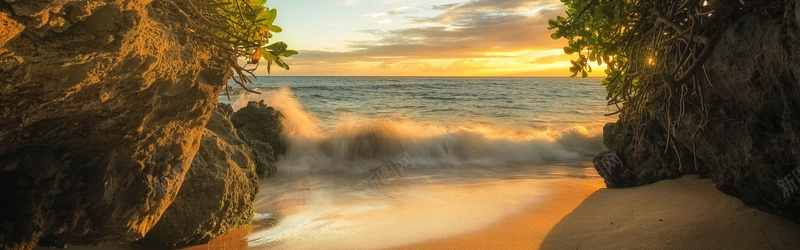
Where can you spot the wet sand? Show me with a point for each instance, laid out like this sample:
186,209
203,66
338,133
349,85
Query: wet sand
526,230
396,215
687,213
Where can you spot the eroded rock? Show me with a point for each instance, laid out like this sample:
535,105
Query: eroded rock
102,112
752,140
750,145
646,159
258,121
218,192
264,158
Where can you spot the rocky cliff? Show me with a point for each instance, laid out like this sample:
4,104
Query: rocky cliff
218,192
750,146
103,106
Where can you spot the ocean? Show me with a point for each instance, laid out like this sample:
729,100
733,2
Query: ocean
376,162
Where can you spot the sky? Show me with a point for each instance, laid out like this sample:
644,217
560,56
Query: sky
420,38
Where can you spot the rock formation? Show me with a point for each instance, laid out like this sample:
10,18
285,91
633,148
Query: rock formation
646,160
103,105
260,125
750,146
218,192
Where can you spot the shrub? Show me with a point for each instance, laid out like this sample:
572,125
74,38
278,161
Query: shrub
242,28
653,50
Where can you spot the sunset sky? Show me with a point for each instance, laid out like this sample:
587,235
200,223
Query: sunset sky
420,37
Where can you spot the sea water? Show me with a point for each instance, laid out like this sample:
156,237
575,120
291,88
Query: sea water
375,162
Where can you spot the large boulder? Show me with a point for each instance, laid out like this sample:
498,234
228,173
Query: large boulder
264,157
103,105
644,158
752,140
750,145
259,122
218,192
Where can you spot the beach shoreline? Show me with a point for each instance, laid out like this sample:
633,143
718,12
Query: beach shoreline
529,228
683,213
581,213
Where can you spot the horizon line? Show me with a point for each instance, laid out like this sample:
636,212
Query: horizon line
591,77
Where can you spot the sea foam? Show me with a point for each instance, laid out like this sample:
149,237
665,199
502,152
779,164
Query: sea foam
358,144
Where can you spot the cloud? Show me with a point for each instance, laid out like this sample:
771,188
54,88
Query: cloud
378,18
463,11
398,11
357,2
552,59
469,36
382,17
352,2
456,66
461,34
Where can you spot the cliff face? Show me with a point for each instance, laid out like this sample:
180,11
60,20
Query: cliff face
103,105
753,137
218,192
751,144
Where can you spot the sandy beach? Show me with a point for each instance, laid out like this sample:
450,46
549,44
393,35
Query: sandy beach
687,213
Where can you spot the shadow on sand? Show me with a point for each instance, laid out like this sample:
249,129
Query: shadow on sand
683,213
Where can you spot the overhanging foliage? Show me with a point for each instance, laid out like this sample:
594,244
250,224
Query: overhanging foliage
653,50
242,28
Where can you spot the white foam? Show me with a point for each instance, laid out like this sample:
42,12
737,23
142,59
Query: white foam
353,143
318,206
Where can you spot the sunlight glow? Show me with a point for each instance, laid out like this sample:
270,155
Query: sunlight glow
420,38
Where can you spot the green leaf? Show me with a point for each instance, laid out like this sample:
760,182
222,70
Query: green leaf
264,52
273,14
269,56
264,17
247,26
289,53
280,63
256,3
552,23
278,47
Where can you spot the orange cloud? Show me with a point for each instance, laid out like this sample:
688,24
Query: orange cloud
478,37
